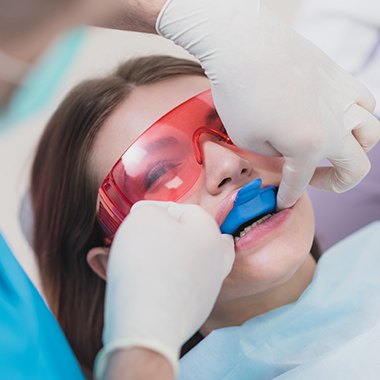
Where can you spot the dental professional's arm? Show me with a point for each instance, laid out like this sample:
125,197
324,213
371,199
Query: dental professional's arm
138,364
164,273
132,15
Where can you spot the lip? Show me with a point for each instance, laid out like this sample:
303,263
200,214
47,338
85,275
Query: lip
228,203
226,206
263,230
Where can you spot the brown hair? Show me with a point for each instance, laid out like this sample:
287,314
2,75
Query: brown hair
64,195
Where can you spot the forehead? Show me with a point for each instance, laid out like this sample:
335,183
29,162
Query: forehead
135,114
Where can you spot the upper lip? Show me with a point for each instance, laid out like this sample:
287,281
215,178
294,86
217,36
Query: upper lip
225,207
227,204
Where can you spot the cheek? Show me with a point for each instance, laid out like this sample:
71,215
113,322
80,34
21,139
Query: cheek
276,261
198,195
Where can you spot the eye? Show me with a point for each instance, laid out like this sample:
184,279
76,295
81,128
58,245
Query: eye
162,170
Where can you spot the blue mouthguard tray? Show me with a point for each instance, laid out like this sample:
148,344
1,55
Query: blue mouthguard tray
250,202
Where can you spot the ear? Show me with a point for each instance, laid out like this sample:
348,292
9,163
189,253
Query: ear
97,259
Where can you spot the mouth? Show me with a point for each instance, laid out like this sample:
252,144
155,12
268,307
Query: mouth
244,228
252,206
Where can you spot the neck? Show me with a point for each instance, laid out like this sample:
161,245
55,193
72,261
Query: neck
237,311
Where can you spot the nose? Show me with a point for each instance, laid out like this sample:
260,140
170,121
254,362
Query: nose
224,168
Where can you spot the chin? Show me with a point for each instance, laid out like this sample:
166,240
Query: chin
275,257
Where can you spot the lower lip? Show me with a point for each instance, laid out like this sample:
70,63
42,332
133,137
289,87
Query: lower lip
263,230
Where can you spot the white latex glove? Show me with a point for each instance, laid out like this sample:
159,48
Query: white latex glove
277,93
165,270
365,12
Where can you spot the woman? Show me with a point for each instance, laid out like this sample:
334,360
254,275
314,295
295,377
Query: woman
88,133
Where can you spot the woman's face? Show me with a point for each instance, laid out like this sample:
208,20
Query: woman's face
269,254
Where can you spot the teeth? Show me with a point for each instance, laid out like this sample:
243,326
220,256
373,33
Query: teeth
248,228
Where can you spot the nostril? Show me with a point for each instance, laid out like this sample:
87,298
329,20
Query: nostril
225,180
244,171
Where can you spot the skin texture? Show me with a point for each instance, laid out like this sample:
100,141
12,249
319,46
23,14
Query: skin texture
134,15
272,271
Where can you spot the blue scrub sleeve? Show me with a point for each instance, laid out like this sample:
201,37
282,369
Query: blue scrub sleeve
32,345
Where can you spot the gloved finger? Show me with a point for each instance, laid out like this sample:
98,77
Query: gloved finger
193,215
183,213
296,174
178,211
365,126
148,204
228,238
229,256
175,210
350,166
265,148
364,97
159,209
257,145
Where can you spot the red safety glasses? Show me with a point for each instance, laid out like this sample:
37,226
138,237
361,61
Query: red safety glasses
162,164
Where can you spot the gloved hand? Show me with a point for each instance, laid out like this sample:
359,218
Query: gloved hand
166,267
277,93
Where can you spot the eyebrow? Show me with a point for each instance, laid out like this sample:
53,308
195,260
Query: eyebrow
161,143
211,116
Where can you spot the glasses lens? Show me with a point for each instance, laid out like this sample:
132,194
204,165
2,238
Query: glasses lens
162,163
161,167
